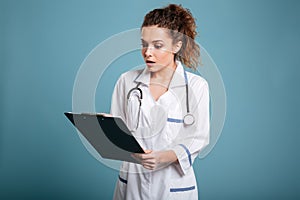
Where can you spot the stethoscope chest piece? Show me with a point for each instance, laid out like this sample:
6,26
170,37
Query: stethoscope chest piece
188,119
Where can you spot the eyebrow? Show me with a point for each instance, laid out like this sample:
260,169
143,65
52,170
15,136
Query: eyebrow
152,41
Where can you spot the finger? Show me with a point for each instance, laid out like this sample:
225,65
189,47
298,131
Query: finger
136,157
148,158
149,162
143,156
147,151
150,167
106,114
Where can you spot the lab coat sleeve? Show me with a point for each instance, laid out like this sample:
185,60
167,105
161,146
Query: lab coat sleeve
192,139
118,99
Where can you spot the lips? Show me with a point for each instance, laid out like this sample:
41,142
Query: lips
150,62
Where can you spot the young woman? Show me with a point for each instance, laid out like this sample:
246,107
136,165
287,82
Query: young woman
166,107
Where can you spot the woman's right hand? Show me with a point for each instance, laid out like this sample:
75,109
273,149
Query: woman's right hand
155,159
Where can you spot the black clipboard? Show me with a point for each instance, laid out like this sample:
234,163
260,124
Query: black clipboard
109,136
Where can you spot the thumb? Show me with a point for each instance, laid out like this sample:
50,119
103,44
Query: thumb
147,151
105,114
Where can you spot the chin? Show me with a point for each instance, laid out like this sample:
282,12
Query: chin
155,68
152,69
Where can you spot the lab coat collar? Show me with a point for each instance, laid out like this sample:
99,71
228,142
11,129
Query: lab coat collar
178,76
177,79
143,77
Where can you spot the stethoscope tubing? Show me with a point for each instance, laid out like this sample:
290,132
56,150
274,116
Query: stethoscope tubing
188,119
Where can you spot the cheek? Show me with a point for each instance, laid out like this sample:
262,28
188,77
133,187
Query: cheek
164,56
143,52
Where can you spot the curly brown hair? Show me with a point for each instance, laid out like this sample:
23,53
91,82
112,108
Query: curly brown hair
182,27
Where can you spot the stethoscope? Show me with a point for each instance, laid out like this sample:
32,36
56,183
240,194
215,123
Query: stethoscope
187,120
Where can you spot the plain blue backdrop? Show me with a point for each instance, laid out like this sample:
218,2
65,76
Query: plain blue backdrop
255,45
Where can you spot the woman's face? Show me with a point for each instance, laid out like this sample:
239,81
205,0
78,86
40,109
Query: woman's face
157,48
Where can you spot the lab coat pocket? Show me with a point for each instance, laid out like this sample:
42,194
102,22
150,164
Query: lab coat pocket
179,193
173,129
183,188
120,190
121,185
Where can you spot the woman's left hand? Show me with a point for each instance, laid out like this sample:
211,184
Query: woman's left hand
155,159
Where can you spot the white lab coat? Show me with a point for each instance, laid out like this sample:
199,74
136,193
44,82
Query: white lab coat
161,128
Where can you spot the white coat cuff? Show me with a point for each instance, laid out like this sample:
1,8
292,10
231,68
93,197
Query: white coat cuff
184,157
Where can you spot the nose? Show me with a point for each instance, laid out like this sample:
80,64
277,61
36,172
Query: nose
148,51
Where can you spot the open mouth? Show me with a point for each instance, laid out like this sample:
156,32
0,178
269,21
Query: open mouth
150,62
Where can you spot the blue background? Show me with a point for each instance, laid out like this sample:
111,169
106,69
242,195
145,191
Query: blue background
43,43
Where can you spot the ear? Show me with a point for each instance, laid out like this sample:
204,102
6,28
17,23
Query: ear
177,47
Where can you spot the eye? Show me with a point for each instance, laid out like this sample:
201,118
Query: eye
158,46
144,44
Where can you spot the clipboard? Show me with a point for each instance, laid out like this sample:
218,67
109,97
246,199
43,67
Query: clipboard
109,136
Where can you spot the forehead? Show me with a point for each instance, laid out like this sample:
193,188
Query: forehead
154,33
